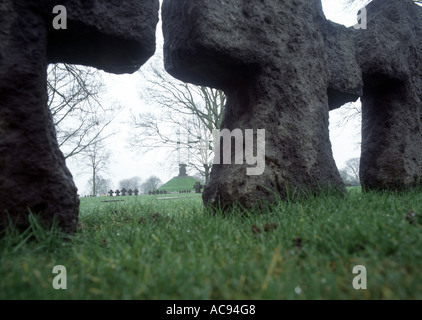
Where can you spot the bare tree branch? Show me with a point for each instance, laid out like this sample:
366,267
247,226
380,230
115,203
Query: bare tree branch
96,158
78,114
357,4
185,119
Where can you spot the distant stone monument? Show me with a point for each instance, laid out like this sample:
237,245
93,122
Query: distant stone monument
182,170
104,34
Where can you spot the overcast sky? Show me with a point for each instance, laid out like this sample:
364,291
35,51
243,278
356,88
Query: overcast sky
125,90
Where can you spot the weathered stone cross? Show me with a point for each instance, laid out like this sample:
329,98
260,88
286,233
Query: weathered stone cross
282,66
391,59
198,187
108,35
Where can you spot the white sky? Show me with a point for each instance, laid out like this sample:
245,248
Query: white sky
126,163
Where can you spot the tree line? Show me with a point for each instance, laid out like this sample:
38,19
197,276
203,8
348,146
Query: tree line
104,185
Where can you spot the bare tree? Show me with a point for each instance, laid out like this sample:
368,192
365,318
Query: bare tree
102,185
96,157
151,184
350,112
350,172
132,183
186,117
78,114
353,4
345,177
199,177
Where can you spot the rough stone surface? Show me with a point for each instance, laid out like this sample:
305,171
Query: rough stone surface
107,35
391,58
110,35
282,66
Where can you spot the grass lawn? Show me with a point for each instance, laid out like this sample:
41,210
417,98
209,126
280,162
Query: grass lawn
179,184
145,248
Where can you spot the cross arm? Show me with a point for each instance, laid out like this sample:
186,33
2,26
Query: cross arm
115,37
203,42
345,83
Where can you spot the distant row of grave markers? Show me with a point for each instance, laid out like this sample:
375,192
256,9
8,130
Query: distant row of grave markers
197,186
124,192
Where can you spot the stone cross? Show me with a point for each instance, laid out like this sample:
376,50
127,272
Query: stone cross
111,193
391,59
198,187
124,192
130,192
117,193
283,66
104,34
136,192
